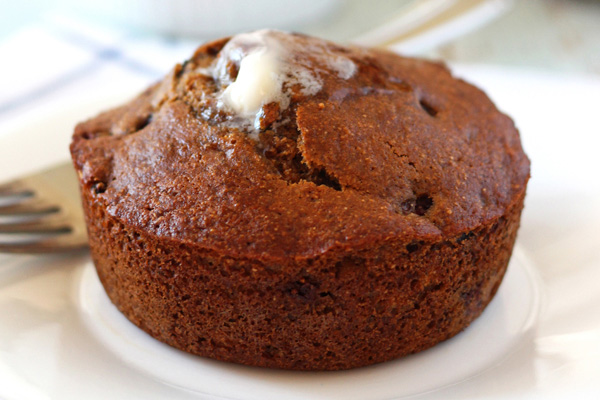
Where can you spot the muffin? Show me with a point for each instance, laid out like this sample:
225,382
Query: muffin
282,201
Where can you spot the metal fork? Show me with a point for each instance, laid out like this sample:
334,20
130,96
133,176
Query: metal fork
41,213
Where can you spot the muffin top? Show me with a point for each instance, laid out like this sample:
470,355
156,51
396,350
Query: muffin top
274,145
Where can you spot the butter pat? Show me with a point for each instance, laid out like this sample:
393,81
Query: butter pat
257,83
270,65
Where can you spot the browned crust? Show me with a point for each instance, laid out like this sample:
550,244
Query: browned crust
337,311
350,166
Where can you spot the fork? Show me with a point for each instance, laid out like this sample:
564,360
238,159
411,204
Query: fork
41,213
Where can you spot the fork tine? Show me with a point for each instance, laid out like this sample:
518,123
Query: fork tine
13,189
39,224
28,205
44,244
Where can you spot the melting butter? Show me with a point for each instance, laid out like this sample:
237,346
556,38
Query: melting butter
258,82
269,64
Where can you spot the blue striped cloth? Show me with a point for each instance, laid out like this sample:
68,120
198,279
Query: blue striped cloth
61,60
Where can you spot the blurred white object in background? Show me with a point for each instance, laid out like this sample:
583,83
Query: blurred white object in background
205,18
409,25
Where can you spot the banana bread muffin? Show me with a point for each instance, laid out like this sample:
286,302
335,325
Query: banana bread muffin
282,201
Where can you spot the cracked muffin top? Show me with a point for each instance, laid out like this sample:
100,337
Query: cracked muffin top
274,145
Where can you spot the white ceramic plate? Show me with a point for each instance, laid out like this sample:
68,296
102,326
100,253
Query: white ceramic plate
61,338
